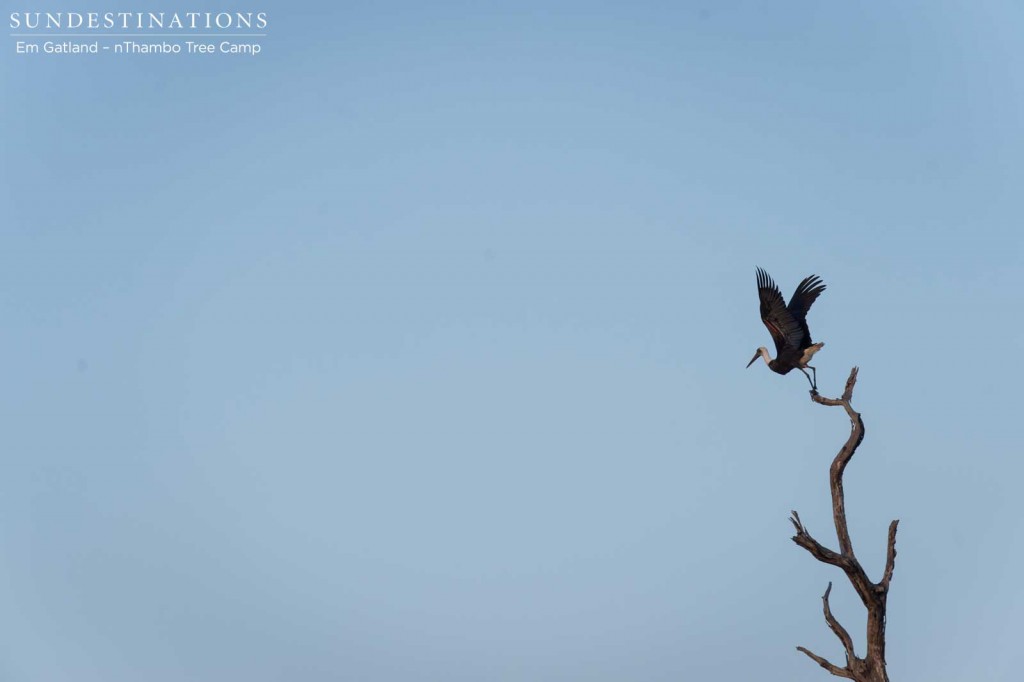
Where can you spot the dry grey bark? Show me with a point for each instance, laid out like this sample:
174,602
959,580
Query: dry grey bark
870,668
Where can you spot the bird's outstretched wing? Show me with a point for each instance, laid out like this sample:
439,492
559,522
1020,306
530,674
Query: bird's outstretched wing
785,329
806,293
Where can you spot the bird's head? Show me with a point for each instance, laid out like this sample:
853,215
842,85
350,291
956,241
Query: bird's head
760,351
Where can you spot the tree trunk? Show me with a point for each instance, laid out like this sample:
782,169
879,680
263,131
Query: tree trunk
870,668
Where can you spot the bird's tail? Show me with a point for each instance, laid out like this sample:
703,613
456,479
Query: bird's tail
810,351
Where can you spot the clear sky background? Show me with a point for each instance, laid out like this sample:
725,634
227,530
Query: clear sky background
413,349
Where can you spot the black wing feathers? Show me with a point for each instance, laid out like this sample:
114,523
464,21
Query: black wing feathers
806,293
786,329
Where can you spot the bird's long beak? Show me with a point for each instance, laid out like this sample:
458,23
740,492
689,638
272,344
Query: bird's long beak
756,353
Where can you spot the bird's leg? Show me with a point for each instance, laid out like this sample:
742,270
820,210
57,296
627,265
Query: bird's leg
815,375
814,386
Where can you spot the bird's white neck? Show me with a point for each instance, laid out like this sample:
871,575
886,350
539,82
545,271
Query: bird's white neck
764,354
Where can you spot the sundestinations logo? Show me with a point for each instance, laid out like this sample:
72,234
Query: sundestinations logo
50,21
138,33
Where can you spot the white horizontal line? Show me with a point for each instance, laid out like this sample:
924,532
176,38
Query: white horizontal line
134,35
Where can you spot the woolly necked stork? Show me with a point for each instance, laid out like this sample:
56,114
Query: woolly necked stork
788,325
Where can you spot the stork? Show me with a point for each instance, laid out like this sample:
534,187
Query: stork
788,325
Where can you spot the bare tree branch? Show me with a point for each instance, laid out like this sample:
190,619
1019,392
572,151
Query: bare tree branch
832,668
851,381
871,668
835,626
890,555
817,550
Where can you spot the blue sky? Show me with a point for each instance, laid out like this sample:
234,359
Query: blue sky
412,348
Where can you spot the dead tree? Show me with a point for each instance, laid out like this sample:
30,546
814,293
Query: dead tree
870,668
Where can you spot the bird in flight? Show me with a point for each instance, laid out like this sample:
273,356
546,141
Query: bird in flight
788,325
